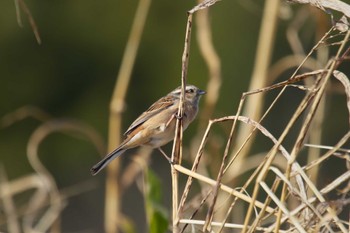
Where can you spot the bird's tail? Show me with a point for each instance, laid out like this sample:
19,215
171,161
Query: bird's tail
106,160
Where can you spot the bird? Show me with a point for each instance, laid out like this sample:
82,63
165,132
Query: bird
156,126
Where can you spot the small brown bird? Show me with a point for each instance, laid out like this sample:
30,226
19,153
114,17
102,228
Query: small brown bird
156,126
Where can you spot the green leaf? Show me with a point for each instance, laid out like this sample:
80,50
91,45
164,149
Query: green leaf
156,214
127,225
159,223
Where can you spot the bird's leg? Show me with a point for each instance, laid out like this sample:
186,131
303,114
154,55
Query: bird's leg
164,154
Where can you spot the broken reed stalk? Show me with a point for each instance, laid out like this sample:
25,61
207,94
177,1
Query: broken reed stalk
113,197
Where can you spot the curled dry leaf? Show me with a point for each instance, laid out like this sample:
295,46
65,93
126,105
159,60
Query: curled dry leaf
346,83
202,5
342,25
336,5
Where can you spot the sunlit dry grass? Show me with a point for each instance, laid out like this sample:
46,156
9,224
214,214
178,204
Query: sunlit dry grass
270,191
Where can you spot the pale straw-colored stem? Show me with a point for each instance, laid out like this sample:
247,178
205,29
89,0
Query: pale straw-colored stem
113,197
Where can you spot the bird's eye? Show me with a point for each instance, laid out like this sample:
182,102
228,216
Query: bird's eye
191,90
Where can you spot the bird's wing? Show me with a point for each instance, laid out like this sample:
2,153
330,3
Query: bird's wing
155,108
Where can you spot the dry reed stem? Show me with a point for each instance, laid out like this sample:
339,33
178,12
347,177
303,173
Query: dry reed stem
176,155
309,118
269,160
9,208
223,187
316,130
133,169
290,61
312,64
35,182
196,163
344,80
18,13
293,29
301,138
50,218
23,113
222,167
42,182
256,125
273,151
341,142
287,62
194,168
295,192
210,211
113,194
200,151
283,84
327,4
260,71
20,4
226,225
267,202
281,206
312,98
327,71
212,60
314,92
330,187
246,120
300,109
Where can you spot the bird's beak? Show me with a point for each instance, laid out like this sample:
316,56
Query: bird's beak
201,92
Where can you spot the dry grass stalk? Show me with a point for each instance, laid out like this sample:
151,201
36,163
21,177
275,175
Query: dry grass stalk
315,91
9,208
176,155
42,211
204,38
21,5
113,193
259,77
291,182
298,217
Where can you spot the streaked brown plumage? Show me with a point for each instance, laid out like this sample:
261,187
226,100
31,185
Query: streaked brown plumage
156,126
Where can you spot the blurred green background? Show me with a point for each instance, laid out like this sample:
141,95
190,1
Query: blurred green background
72,75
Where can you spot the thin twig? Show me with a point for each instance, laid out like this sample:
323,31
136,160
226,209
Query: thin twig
26,10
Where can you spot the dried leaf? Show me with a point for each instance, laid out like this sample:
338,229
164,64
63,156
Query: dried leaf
336,5
346,83
202,5
342,25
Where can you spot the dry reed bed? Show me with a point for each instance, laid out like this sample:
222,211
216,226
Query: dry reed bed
278,194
